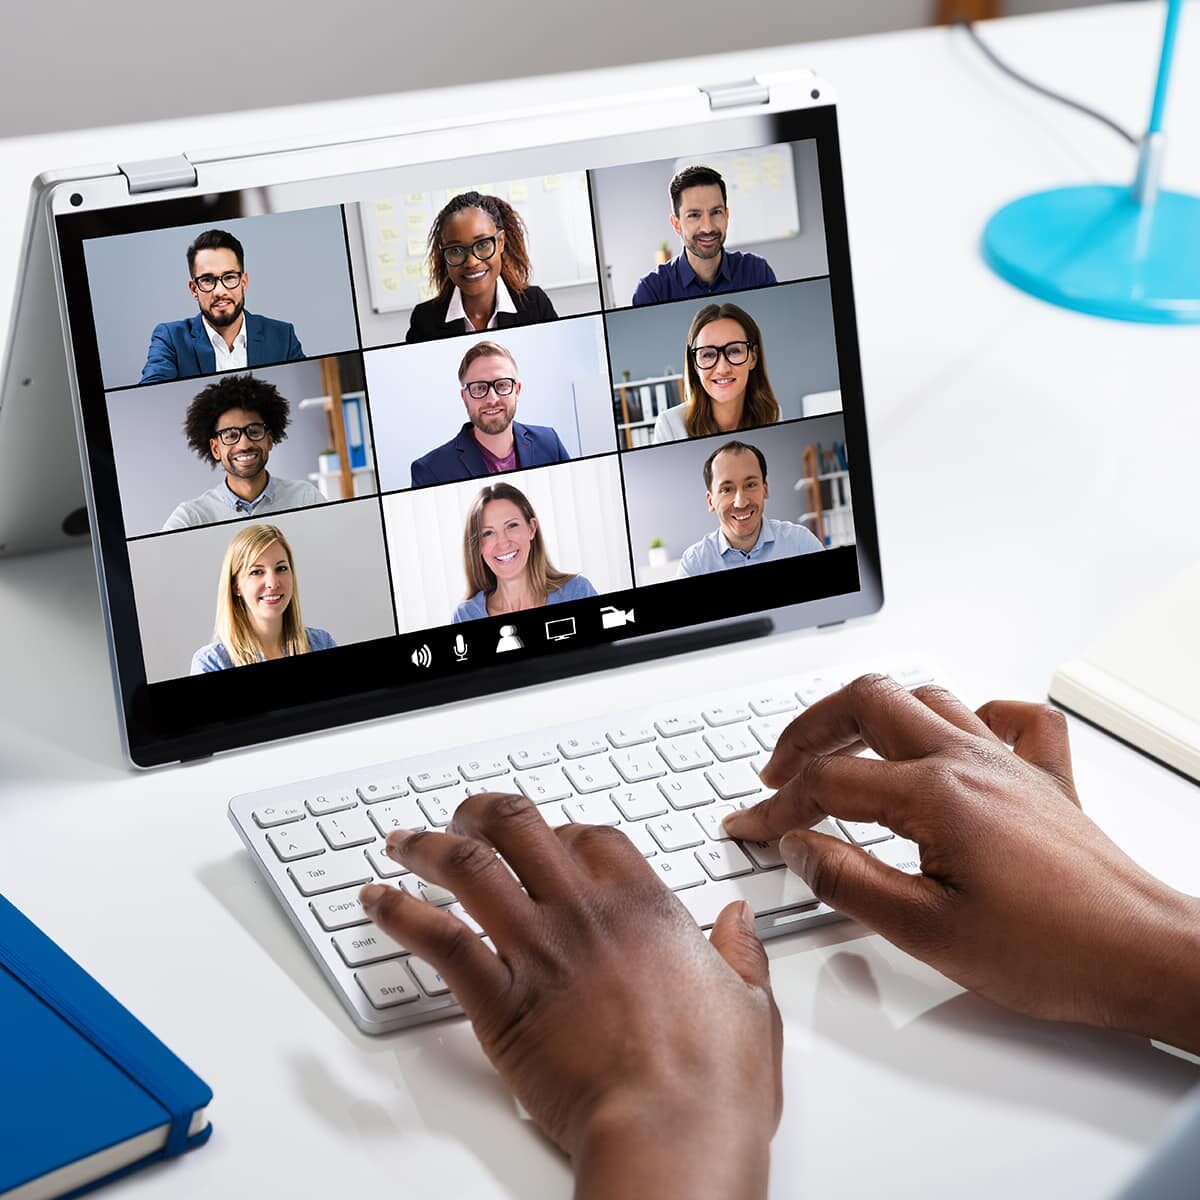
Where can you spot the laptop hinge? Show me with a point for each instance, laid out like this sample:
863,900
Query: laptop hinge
158,174
731,95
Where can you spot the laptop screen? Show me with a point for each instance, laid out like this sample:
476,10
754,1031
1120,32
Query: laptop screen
352,457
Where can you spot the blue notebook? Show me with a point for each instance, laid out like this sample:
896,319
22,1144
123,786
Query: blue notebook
87,1092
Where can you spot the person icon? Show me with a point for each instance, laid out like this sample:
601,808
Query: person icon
509,639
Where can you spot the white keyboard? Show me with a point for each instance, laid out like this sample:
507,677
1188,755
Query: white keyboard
666,777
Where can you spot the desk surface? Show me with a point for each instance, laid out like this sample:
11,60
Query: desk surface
1035,472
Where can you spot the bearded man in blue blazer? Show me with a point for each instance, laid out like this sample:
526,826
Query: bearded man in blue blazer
222,336
491,442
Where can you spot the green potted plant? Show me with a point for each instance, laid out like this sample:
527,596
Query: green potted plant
657,554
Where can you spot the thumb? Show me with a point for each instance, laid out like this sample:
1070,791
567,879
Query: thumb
858,885
734,939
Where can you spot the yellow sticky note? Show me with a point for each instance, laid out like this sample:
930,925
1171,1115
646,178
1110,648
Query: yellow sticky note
416,220
551,183
388,233
416,247
390,283
383,208
415,198
412,271
386,259
518,191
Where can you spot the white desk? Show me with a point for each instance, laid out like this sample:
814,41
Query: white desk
1035,471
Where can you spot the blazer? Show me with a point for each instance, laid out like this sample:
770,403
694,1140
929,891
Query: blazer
181,348
459,458
428,320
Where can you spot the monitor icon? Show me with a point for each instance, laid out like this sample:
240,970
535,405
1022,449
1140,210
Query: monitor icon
560,630
615,618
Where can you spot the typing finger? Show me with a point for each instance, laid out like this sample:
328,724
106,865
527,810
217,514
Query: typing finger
1037,733
948,706
603,852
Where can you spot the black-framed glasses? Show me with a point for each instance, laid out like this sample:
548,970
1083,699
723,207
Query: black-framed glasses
735,354
483,249
208,283
479,388
232,434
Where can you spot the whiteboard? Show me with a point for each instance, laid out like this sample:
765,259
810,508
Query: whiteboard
558,228
761,192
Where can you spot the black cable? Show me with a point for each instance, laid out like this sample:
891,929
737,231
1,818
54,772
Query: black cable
992,57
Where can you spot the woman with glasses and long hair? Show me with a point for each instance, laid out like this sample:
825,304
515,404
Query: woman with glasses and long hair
258,605
505,559
479,264
725,381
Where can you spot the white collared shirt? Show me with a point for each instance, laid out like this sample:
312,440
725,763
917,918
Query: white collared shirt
504,303
228,360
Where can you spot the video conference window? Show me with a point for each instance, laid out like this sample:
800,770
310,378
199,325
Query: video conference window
468,408
717,504
451,261
225,596
240,446
688,228
703,367
240,293
488,547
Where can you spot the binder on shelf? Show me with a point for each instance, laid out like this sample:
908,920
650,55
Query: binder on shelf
356,440
89,1093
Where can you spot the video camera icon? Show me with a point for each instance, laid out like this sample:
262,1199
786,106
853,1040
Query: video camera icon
612,617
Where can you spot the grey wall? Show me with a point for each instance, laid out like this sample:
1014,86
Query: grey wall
415,401
340,570
155,468
664,486
632,209
796,321
297,269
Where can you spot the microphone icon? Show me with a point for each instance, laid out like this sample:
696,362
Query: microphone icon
460,648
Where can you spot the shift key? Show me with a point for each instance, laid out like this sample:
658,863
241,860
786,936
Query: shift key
330,872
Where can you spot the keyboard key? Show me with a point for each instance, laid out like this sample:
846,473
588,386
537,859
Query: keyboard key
385,868
897,852
767,732
398,814
523,760
723,860
277,814
679,723
365,944
482,768
331,872
728,744
864,833
636,766
686,791
630,735
330,802
764,893
685,754
387,984
594,775
638,803
465,917
912,675
432,779
817,687
374,790
710,820
432,893
726,714
675,833
350,829
545,784
765,854
298,841
439,807
553,814
339,910
595,810
734,780
432,984
639,835
582,746
678,871
770,704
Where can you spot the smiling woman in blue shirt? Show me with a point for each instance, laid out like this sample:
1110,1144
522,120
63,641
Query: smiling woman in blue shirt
700,218
505,559
735,476
258,605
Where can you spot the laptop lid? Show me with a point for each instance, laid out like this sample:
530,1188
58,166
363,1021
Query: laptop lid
379,425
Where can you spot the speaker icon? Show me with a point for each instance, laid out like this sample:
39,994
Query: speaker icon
422,656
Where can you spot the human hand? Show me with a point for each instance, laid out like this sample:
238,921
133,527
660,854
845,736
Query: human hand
1020,896
649,1054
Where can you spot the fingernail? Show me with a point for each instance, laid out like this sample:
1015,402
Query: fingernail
746,916
794,850
372,895
395,842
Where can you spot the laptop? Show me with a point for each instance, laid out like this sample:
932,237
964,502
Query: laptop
381,425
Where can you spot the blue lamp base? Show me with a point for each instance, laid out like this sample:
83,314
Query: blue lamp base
1096,250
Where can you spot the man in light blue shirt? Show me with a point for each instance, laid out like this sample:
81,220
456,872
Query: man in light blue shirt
735,476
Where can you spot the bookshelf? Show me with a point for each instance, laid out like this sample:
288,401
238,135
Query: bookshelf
637,404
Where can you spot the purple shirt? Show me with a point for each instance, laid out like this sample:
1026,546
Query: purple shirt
496,465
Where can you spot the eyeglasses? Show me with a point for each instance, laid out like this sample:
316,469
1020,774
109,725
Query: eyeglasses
483,249
480,387
232,434
207,283
735,354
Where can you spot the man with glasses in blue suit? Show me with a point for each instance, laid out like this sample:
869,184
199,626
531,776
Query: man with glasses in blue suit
222,336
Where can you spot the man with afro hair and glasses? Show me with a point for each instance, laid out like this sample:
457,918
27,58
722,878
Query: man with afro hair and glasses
233,423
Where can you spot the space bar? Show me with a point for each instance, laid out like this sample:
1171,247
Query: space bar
768,892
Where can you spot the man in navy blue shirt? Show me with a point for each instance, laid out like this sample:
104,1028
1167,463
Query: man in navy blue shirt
701,219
